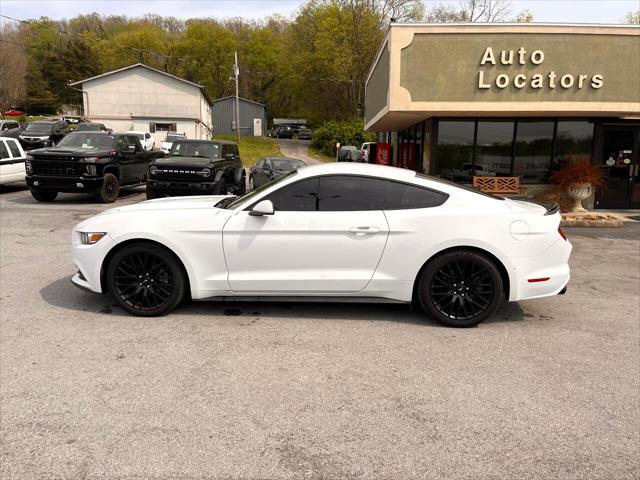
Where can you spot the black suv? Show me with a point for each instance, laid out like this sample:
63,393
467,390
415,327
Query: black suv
197,167
43,134
93,162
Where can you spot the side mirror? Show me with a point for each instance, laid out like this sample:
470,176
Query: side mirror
264,207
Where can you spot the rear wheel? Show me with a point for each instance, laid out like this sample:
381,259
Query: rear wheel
460,288
44,196
110,189
146,280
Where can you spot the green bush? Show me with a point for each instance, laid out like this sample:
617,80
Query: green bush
346,133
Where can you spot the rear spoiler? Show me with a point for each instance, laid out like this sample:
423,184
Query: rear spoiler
552,207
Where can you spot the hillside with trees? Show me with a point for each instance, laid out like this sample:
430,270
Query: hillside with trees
312,65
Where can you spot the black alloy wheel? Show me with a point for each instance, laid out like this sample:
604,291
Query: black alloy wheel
44,195
460,288
110,189
252,183
146,280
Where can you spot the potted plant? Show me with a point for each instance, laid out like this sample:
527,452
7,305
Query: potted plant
578,179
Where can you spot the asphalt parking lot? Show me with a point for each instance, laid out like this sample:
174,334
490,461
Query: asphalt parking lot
547,389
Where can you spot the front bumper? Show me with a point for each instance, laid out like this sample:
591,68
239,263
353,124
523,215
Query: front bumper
174,187
64,184
27,145
88,259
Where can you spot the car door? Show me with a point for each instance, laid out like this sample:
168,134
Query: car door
140,159
326,236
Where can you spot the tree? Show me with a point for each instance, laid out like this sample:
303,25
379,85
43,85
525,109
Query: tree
13,67
398,10
632,18
485,11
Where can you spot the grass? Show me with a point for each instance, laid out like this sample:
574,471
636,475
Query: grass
321,157
253,149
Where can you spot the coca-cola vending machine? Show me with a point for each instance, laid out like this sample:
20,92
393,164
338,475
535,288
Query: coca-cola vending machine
383,153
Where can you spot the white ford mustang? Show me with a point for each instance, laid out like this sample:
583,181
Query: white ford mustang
343,231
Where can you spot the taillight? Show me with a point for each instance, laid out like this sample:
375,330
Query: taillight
562,233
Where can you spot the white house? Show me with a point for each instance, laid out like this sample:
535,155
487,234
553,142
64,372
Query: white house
142,98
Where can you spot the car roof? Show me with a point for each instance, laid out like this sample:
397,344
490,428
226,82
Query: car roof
351,168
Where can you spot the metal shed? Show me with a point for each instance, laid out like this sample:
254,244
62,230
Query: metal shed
253,117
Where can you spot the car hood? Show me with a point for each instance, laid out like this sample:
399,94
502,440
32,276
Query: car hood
184,162
72,152
196,202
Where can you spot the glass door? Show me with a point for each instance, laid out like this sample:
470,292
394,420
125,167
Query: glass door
621,169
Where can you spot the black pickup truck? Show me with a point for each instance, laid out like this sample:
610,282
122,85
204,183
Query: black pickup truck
90,162
197,167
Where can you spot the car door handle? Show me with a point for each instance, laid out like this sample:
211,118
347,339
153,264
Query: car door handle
359,231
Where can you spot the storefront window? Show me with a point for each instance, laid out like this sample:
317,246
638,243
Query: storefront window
494,148
573,142
454,150
534,142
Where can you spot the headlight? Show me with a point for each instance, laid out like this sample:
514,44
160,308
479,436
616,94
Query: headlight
91,170
153,170
89,238
27,165
205,172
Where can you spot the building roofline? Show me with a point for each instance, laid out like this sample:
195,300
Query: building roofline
514,24
135,65
241,98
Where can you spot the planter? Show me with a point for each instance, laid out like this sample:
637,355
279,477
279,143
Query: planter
577,193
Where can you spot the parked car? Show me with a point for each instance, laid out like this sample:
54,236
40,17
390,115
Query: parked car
270,168
10,128
146,139
196,167
165,146
304,133
349,153
12,158
44,133
12,113
366,149
284,132
74,119
90,162
92,127
349,231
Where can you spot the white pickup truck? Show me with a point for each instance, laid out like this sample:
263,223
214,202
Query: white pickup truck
146,139
12,159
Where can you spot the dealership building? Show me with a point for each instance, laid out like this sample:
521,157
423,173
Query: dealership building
510,100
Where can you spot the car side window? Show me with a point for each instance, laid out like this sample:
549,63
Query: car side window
13,147
260,163
121,144
404,197
236,152
4,153
297,197
347,193
13,125
133,140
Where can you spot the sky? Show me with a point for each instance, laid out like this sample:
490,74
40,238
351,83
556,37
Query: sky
568,11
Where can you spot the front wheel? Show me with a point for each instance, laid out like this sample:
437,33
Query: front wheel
151,193
146,280
44,196
252,183
460,288
110,189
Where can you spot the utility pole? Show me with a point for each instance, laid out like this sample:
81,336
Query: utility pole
236,73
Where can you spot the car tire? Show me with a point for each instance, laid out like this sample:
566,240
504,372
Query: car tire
43,195
252,183
110,189
220,188
461,288
146,280
151,194
242,186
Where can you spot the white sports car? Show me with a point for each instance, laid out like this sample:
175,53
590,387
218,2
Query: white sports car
342,231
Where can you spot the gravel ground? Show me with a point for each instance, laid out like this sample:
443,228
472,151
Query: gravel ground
547,389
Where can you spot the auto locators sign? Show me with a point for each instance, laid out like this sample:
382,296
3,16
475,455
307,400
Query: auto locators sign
550,79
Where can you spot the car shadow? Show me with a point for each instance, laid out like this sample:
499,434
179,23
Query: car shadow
63,294
78,198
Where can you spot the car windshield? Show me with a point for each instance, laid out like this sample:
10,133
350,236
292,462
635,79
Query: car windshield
231,203
88,127
195,149
173,138
39,127
286,164
87,140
